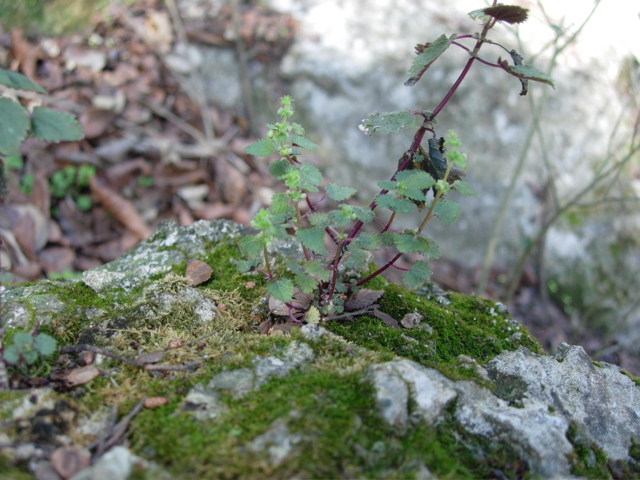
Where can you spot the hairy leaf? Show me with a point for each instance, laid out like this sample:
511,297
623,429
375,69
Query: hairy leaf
303,143
429,55
18,81
319,219
368,241
339,194
317,269
391,122
313,239
14,125
261,148
526,71
419,273
279,168
310,178
52,126
305,283
357,258
251,245
364,214
244,266
408,242
281,289
464,188
447,211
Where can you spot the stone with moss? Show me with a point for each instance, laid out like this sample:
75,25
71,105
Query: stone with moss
464,392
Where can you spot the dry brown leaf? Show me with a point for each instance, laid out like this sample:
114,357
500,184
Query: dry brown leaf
155,402
363,299
81,375
25,53
121,208
387,319
67,461
95,121
150,357
198,272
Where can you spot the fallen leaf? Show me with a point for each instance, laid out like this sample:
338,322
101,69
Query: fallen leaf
387,319
67,461
198,272
121,208
81,375
363,299
155,402
150,357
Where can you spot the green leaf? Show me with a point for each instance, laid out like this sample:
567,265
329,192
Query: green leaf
357,258
342,216
339,194
368,241
281,289
390,122
447,211
303,143
30,357
305,283
464,188
245,266
313,239
18,81
402,205
11,354
318,219
478,14
428,55
419,179
22,340
14,125
52,126
385,200
364,214
250,246
419,273
317,269
310,178
312,316
526,72
408,242
279,168
45,344
388,184
280,203
261,148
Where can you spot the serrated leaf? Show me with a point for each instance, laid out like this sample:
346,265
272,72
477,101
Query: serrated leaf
312,316
391,122
339,194
310,178
18,81
477,14
250,246
303,142
388,184
419,179
342,216
261,148
447,211
419,273
526,72
313,239
424,60
305,283
280,203
364,214
316,269
357,258
45,344
407,242
318,219
52,126
281,290
464,188
402,205
368,241
279,168
14,126
244,266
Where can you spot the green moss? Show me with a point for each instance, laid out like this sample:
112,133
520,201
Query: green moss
466,326
588,459
634,378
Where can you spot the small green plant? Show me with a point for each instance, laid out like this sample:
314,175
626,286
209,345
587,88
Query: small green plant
72,180
332,275
26,349
16,124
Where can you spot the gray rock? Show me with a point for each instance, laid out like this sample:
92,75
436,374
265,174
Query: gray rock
119,464
601,400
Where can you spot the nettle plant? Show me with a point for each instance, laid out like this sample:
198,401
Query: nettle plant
329,277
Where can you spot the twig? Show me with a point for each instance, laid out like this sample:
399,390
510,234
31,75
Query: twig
190,367
101,351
